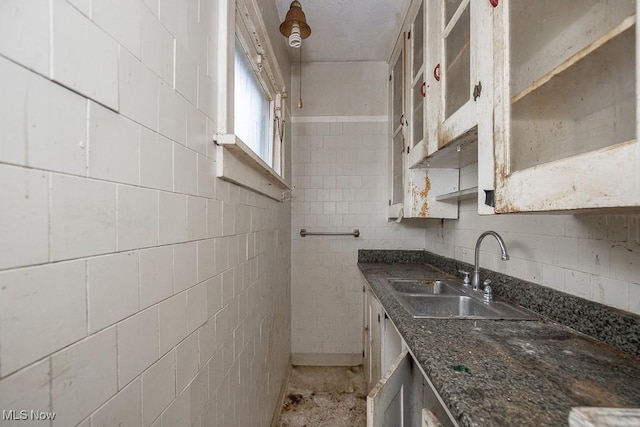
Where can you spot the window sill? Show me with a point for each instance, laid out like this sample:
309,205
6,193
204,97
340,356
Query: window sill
238,164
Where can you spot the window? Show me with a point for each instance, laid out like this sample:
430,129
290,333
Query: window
252,108
251,114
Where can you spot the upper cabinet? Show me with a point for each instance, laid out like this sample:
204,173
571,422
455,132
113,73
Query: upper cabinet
565,105
542,95
413,188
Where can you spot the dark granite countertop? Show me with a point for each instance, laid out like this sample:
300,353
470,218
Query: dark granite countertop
503,373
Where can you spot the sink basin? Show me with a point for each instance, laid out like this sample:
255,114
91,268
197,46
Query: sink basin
445,299
426,287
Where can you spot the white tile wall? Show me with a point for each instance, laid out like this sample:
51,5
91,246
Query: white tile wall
56,316
86,59
596,257
113,146
43,124
339,170
27,241
111,292
29,23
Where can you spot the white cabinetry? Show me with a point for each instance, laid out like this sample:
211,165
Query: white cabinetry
566,93
401,394
413,190
542,95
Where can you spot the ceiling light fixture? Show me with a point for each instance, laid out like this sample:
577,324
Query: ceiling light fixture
295,28
295,25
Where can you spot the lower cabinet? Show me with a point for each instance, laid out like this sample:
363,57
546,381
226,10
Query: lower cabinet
401,394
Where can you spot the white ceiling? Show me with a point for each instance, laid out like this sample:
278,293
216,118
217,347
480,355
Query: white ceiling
348,30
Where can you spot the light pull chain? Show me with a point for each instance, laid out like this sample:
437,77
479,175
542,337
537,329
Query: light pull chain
300,65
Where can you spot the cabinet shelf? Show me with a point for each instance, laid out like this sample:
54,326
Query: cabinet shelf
571,61
467,193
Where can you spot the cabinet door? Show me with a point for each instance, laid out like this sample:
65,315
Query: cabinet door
566,105
388,404
396,129
375,313
453,61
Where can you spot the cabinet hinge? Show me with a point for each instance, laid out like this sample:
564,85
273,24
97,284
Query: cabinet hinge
389,202
389,77
363,289
378,317
477,89
408,149
409,35
362,353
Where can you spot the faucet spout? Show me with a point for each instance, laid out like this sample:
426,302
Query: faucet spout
476,270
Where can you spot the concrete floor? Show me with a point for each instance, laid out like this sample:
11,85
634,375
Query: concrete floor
325,396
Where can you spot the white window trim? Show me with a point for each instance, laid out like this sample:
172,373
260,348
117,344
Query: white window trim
236,162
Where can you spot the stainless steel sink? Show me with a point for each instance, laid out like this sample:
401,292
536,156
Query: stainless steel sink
445,299
426,287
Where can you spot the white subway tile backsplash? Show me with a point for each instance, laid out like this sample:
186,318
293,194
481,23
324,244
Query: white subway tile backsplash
57,315
138,344
156,275
158,387
173,218
173,321
24,218
83,218
185,264
112,283
121,20
83,377
137,217
612,292
29,388
172,114
27,22
85,59
124,409
634,297
156,46
187,360
113,146
138,88
43,124
577,283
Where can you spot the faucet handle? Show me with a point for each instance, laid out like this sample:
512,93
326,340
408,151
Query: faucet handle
466,281
488,292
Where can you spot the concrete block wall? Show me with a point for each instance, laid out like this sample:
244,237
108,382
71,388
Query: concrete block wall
593,256
135,287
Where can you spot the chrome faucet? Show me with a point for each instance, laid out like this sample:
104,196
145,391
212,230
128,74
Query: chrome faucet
476,270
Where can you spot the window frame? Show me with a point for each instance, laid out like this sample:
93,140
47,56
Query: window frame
236,162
